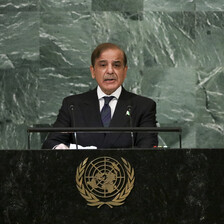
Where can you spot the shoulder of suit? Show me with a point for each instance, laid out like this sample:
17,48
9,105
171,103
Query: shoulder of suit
139,98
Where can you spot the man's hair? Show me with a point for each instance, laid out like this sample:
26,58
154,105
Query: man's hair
105,46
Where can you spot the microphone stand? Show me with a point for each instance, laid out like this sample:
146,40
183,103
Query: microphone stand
128,113
74,136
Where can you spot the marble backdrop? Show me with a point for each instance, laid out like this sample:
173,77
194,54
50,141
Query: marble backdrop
175,52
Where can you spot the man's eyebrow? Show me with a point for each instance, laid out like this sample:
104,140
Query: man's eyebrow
115,61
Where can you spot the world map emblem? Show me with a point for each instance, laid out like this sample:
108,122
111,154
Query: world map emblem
105,181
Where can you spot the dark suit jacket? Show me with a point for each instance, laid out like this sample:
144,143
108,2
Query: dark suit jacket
87,114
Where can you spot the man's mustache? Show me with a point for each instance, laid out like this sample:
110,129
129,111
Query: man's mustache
106,77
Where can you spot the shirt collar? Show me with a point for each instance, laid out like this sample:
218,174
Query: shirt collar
116,93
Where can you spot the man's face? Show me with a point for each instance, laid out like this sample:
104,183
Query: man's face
109,70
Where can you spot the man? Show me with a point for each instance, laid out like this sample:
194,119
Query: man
108,105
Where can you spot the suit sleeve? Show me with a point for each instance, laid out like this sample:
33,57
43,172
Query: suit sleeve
147,118
63,120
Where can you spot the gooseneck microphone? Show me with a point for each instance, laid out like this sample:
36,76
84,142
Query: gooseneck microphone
129,113
74,136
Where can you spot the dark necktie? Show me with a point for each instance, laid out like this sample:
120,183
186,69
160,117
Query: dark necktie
106,111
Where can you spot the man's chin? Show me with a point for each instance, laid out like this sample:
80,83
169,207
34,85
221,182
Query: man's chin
108,89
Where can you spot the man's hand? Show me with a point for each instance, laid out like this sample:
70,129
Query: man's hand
61,146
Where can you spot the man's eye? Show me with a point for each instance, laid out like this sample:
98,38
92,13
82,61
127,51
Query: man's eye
102,65
117,65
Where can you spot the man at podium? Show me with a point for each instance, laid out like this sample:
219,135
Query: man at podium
108,105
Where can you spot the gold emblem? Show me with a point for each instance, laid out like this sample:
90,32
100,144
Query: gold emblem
104,181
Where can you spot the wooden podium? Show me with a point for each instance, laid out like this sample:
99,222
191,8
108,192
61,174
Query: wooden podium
159,186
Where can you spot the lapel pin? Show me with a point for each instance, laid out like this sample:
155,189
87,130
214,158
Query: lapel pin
128,113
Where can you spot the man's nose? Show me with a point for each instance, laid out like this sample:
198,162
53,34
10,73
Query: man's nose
110,69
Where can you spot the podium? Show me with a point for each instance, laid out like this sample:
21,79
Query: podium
166,186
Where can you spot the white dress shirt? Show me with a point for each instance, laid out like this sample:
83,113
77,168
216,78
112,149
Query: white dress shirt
113,102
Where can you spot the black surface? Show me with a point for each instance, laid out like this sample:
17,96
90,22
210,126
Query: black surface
171,186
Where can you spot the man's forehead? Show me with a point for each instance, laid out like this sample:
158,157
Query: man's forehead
117,53
110,56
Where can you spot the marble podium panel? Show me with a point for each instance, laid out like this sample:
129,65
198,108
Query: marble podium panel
170,186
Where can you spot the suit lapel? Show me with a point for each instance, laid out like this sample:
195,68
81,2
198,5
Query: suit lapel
90,110
120,119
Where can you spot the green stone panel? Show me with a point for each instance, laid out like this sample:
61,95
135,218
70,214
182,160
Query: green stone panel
19,65
65,5
19,60
19,105
117,5
173,89
210,107
210,85
134,79
116,26
169,39
13,136
209,5
5,62
175,56
171,139
19,32
18,5
209,137
209,39
66,44
64,59
57,84
169,5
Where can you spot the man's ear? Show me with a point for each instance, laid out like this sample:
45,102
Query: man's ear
125,71
92,71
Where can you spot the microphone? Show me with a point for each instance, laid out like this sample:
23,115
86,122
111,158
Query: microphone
72,108
129,113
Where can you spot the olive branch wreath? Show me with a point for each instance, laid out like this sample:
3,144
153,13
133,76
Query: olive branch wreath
92,199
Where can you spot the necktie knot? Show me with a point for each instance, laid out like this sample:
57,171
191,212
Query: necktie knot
107,99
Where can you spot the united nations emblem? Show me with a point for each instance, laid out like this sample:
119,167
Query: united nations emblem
105,181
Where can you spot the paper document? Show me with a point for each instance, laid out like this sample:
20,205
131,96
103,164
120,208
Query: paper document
73,146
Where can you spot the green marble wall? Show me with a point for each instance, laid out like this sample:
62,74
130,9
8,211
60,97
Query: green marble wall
175,51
